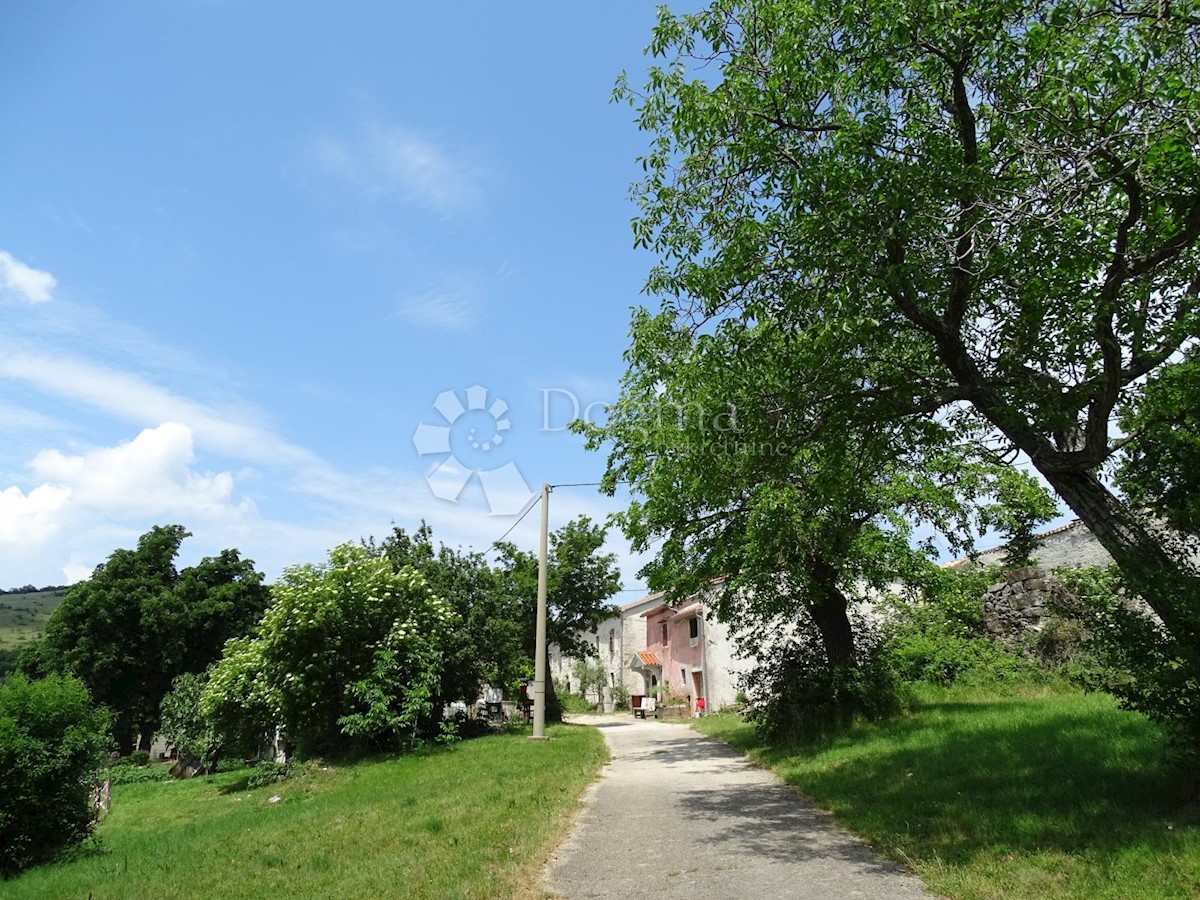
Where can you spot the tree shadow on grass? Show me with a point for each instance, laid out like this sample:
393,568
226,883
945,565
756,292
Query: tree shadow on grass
960,779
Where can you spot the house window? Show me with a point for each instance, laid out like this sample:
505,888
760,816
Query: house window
612,680
612,633
683,676
663,634
693,628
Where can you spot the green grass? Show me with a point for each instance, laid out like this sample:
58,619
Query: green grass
477,819
22,616
1051,795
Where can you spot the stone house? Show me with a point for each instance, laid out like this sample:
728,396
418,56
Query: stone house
651,644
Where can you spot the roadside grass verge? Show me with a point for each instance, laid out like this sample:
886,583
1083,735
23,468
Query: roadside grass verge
476,819
1042,795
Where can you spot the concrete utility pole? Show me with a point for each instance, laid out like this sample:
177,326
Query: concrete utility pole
539,663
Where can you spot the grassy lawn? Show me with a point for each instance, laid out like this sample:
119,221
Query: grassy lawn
474,820
1005,797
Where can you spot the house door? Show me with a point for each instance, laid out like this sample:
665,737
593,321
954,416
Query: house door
697,689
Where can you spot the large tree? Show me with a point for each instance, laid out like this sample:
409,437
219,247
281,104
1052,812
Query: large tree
581,580
349,656
138,622
741,485
989,211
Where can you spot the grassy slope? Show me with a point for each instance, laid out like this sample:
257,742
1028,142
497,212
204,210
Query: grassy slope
22,616
985,797
475,820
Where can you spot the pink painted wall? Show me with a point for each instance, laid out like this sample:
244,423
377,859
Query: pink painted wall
679,650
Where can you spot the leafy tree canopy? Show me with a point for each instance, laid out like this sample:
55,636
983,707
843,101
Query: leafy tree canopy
137,623
349,654
1161,468
580,583
986,212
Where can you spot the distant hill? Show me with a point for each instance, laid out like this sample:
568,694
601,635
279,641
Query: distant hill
23,615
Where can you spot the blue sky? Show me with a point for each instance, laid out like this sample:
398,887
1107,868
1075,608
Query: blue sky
245,247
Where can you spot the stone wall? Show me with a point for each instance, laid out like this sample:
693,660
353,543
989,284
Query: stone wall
1019,604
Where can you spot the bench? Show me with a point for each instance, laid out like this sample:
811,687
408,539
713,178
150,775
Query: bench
645,705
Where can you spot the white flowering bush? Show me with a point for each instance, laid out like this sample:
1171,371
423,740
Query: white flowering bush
349,654
238,702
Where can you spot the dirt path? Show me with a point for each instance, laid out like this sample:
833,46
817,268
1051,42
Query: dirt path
676,814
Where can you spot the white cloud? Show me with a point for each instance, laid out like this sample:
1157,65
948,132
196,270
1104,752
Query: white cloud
453,306
134,399
34,517
32,284
148,476
83,497
389,159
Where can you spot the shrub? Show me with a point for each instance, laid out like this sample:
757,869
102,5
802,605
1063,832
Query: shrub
924,647
1143,665
798,695
349,656
237,701
569,701
184,723
940,638
268,773
149,774
620,696
53,742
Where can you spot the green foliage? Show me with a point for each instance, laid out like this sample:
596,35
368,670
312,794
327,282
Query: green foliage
238,702
620,696
349,654
873,216
489,646
266,773
938,637
138,623
53,741
590,677
929,648
571,702
1142,665
580,583
184,723
797,695
494,605
147,773
1161,465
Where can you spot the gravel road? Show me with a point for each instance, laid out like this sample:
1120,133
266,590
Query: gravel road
679,815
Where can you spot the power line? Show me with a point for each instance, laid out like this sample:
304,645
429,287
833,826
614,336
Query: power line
524,512
536,497
589,483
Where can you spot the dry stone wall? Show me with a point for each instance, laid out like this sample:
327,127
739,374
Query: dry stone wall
1020,603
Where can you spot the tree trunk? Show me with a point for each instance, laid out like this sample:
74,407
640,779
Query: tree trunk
125,745
828,611
1167,582
145,737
